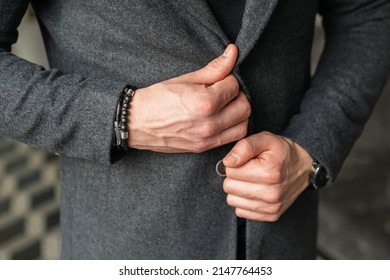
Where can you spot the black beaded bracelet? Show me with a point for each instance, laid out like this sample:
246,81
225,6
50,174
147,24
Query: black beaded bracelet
120,122
116,136
125,107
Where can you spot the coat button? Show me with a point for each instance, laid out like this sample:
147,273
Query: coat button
220,169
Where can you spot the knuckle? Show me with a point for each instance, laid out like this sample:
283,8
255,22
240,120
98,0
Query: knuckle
208,130
243,130
235,84
269,136
266,133
275,208
252,195
258,209
230,200
273,218
248,144
248,109
229,175
274,176
274,196
214,65
208,106
219,141
227,187
239,213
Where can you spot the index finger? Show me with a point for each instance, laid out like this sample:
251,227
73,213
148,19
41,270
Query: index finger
225,91
257,171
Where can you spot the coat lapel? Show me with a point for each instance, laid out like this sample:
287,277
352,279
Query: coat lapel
199,11
256,16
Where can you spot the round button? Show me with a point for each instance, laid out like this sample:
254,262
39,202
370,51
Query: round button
220,169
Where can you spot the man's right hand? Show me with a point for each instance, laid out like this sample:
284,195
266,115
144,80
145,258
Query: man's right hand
194,112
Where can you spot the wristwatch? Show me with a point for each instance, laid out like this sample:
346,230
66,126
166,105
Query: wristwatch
318,176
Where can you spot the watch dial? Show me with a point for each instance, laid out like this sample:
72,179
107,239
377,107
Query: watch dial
322,177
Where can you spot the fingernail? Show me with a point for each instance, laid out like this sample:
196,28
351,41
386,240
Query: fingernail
230,159
228,52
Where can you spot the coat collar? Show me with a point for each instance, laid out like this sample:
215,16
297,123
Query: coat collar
255,18
199,12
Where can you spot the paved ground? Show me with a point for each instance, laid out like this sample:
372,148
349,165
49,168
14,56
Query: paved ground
354,213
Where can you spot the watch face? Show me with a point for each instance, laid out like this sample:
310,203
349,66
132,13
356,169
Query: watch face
321,177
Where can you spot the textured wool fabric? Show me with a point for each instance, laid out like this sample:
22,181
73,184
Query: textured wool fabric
151,205
229,15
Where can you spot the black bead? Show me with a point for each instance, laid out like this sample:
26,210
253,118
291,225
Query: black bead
124,120
127,98
123,127
125,105
124,113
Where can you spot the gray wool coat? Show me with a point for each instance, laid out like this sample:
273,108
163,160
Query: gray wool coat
147,205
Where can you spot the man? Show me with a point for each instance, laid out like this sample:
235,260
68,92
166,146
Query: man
165,198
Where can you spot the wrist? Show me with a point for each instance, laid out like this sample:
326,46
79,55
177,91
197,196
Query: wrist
121,134
306,161
316,174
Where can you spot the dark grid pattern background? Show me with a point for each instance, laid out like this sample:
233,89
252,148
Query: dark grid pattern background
29,202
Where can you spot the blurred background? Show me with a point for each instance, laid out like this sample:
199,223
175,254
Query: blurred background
354,212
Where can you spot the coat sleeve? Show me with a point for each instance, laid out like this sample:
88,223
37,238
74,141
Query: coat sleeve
351,74
62,113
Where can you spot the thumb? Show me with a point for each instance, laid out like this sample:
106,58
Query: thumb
247,149
217,70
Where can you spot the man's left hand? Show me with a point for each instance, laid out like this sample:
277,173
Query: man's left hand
265,175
